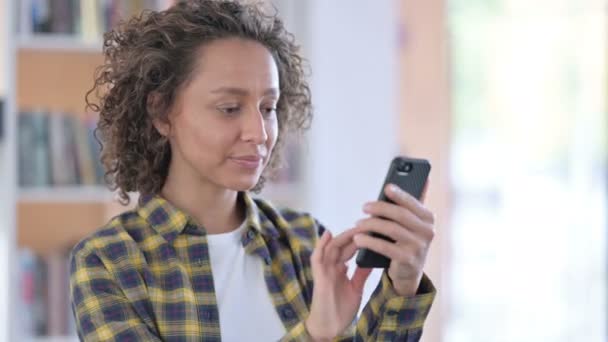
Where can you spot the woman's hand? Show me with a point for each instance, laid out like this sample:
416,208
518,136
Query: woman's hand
411,225
336,298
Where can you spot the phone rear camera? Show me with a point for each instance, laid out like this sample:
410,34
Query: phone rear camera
405,167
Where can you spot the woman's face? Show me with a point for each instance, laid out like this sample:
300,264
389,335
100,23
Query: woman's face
224,123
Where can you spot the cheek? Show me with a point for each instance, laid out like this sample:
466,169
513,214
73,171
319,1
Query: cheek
203,137
272,130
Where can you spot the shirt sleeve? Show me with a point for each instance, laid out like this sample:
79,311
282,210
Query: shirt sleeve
387,316
101,310
390,317
297,334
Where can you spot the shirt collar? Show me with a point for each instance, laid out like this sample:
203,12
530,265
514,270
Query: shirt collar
170,221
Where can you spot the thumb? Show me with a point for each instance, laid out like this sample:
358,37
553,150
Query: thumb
359,278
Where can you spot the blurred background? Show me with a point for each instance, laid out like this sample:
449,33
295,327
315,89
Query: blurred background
506,98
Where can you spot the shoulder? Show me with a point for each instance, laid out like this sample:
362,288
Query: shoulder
116,240
301,228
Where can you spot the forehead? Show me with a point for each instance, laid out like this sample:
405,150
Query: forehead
235,62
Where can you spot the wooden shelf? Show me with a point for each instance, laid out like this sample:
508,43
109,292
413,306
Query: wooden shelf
59,42
66,194
61,87
46,226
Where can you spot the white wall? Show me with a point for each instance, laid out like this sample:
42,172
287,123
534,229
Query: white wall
7,178
3,28
3,200
352,46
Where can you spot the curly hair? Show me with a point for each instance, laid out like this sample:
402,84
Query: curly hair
155,53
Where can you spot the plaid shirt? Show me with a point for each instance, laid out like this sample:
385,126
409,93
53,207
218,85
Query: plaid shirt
146,276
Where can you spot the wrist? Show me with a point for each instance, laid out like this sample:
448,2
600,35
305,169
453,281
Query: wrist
407,290
406,287
313,333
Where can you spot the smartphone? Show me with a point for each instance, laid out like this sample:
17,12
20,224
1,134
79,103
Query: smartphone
409,174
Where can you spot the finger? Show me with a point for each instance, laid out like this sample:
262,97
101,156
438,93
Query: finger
348,251
402,232
319,251
408,201
401,216
342,268
345,237
334,252
424,190
331,253
388,249
334,249
359,277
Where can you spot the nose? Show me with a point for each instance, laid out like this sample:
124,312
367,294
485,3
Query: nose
254,127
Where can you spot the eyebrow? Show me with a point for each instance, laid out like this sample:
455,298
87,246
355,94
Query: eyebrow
242,92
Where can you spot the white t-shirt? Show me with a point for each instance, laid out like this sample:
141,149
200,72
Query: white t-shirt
244,303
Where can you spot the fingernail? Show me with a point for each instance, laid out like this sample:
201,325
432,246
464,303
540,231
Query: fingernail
367,207
394,189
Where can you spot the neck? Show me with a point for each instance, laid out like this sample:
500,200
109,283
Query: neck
214,207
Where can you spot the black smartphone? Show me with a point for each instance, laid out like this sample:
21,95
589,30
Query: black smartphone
409,174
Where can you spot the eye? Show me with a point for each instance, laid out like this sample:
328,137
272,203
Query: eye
268,111
230,110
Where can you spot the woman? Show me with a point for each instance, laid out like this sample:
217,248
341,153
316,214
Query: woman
194,105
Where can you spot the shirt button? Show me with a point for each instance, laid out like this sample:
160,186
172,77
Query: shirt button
251,234
288,313
267,260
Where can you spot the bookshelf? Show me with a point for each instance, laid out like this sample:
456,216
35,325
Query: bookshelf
68,194
7,176
53,71
57,42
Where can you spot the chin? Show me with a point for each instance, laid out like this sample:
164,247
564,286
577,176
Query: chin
243,184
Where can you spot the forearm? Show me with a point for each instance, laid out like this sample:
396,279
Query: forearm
389,316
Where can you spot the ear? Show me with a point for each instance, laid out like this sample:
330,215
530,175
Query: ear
162,125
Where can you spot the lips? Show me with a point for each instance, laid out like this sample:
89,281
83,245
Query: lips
248,161
252,158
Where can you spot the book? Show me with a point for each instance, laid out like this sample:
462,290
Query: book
95,148
40,304
85,19
57,149
70,122
87,172
40,152
27,270
33,158
40,16
57,146
57,293
44,298
62,16
25,140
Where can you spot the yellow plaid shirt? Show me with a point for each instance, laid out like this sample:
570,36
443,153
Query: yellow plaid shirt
146,276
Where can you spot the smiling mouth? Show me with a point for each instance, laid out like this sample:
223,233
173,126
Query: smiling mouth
248,162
